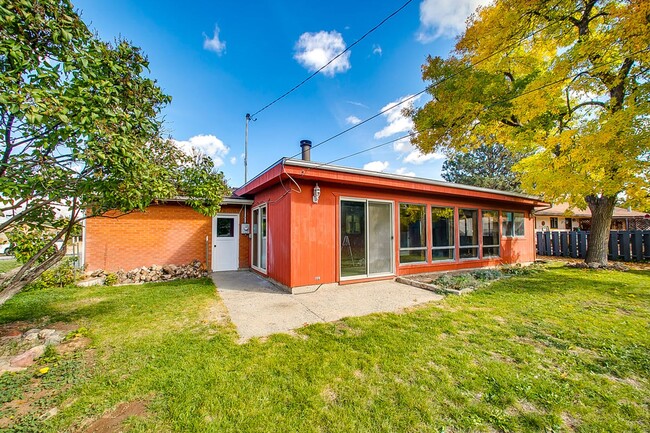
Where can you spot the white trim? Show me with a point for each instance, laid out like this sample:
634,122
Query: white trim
234,216
259,247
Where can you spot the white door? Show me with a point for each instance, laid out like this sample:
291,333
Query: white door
225,242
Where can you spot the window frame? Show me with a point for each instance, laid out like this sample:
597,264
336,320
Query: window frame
424,248
476,229
513,232
498,237
452,237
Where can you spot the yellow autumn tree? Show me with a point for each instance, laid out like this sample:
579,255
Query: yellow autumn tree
565,81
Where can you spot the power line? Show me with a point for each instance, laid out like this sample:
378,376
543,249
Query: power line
431,86
527,92
332,60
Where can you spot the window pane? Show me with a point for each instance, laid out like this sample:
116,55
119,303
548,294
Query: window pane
519,223
490,220
442,224
442,254
225,227
412,226
353,238
490,251
468,227
412,256
468,233
508,224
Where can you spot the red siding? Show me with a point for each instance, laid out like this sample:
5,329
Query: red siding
309,234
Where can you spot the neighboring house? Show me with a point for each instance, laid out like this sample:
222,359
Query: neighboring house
301,223
564,217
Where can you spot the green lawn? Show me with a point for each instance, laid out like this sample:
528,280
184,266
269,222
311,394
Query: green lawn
7,265
560,350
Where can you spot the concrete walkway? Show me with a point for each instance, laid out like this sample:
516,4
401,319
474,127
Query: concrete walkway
258,308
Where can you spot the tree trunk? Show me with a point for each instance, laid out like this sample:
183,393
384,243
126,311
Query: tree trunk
15,282
602,210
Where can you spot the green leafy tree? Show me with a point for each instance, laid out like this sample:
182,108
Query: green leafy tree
80,132
487,166
566,82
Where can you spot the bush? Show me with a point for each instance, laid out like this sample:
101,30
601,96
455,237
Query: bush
61,275
487,274
520,270
456,282
111,279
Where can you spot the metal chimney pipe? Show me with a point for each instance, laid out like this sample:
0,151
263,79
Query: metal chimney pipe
306,149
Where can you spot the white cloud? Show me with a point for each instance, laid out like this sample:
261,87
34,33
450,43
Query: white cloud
358,104
314,50
416,157
208,144
376,166
376,49
214,43
397,122
233,160
403,171
403,146
352,120
445,18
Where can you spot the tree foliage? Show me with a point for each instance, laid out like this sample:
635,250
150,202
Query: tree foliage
80,130
487,166
566,82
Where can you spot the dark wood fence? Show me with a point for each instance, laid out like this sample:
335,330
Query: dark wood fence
623,245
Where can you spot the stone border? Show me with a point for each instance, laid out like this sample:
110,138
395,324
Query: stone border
432,287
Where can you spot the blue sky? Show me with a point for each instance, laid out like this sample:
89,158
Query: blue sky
221,59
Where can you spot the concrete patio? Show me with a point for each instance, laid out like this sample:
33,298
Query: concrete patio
258,308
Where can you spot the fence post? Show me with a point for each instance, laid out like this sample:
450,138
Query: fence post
547,243
646,243
624,242
564,244
637,245
540,244
573,244
582,244
555,241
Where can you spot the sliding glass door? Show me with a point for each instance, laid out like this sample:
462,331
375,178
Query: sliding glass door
259,243
366,238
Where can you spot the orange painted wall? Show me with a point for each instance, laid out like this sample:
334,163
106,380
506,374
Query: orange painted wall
315,232
170,233
278,202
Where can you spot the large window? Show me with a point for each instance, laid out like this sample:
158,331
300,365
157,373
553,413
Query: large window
442,233
412,233
490,225
513,224
468,233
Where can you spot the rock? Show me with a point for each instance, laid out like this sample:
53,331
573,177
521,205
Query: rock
28,358
169,269
97,273
6,367
31,336
45,333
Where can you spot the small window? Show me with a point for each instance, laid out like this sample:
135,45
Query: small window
490,223
553,222
225,227
412,233
468,233
513,224
442,233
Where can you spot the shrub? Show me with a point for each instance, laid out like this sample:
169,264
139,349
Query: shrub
60,276
487,274
111,279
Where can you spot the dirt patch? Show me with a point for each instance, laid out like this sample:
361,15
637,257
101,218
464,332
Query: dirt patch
73,345
112,422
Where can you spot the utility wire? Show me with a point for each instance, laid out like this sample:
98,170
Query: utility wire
332,60
431,86
527,92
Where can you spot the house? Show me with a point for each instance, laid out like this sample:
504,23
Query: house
301,223
564,217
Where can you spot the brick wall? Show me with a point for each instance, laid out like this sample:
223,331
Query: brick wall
170,233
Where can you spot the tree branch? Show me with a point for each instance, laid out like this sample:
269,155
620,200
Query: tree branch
8,145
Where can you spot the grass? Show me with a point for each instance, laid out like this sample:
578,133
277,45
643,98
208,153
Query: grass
559,350
7,265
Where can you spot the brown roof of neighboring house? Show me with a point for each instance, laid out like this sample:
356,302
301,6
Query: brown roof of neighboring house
563,209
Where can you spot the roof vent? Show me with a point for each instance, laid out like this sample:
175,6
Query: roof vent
306,149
